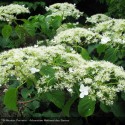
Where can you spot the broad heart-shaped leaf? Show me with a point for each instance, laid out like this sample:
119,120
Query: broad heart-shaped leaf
68,105
105,108
118,109
6,31
111,55
20,31
10,99
56,97
86,106
85,54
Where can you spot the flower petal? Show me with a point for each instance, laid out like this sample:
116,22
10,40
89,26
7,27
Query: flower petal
81,88
81,95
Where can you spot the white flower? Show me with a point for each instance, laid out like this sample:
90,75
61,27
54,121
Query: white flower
88,80
70,90
84,90
104,40
34,70
18,78
71,70
35,46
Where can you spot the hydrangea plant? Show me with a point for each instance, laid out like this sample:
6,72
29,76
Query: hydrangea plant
113,32
98,18
52,68
9,12
29,61
64,9
76,36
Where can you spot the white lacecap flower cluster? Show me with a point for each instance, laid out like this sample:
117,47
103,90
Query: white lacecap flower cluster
76,36
98,18
100,80
65,10
8,12
113,32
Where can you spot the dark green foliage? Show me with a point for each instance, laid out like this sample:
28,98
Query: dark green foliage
118,109
67,106
46,25
31,5
116,8
105,108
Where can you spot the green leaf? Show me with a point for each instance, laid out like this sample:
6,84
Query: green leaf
44,25
6,31
67,106
118,109
34,105
10,99
111,55
86,106
5,43
105,108
85,54
30,28
121,53
20,32
91,48
56,22
25,92
48,71
29,82
101,49
57,97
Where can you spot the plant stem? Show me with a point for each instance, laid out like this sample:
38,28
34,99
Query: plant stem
24,102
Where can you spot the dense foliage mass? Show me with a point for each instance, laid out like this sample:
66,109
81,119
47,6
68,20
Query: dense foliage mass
53,60
115,8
